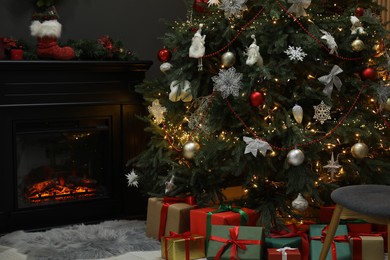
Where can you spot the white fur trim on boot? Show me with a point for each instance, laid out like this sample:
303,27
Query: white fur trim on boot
50,28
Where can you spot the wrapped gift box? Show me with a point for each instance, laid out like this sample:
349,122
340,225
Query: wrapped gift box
359,228
177,217
343,250
367,247
280,242
221,237
325,214
381,229
234,193
198,219
283,253
182,247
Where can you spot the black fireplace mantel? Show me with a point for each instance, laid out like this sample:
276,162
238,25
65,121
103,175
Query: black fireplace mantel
46,91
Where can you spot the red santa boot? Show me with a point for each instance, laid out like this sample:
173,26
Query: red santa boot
48,32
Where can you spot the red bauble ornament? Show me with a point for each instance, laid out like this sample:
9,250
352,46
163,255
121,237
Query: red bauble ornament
369,73
257,99
164,55
359,11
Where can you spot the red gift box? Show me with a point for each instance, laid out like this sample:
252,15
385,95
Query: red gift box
359,228
285,253
224,215
326,213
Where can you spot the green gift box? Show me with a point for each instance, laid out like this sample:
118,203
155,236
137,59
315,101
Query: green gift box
244,242
341,242
279,242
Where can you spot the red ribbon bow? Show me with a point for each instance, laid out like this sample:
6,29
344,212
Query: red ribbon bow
167,201
186,235
294,232
342,238
234,242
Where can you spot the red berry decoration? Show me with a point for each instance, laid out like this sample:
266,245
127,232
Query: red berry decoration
359,11
164,55
257,99
369,73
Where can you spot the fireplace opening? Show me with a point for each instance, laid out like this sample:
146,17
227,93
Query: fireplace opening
61,161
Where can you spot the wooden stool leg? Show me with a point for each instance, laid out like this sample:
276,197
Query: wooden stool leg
334,223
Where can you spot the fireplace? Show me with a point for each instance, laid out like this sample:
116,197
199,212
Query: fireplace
67,130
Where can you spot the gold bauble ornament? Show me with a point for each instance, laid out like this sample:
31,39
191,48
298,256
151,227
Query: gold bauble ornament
359,150
357,45
387,105
228,59
190,149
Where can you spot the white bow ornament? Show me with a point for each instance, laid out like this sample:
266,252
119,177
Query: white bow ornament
298,7
357,27
180,90
254,145
330,80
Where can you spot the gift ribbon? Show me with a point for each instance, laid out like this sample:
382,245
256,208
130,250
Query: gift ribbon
187,236
224,208
342,238
357,243
234,242
167,201
294,232
284,250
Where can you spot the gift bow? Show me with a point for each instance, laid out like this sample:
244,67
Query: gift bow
180,90
187,236
294,232
358,244
234,242
284,250
342,238
298,7
224,208
167,201
330,80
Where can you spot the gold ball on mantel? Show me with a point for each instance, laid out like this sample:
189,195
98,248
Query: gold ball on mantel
357,45
359,150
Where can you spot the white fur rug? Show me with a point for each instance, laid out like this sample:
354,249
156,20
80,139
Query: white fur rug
114,240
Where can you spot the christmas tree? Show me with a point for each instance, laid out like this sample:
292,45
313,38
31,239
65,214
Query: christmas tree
288,99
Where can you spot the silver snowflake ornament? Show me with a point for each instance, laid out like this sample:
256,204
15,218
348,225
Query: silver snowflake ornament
233,8
214,2
228,82
322,112
132,179
383,93
333,166
295,53
157,111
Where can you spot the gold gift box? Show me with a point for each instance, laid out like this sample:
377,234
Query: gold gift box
178,218
175,248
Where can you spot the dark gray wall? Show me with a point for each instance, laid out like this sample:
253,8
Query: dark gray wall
138,24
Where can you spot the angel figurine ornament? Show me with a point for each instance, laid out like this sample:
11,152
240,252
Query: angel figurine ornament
253,53
197,49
